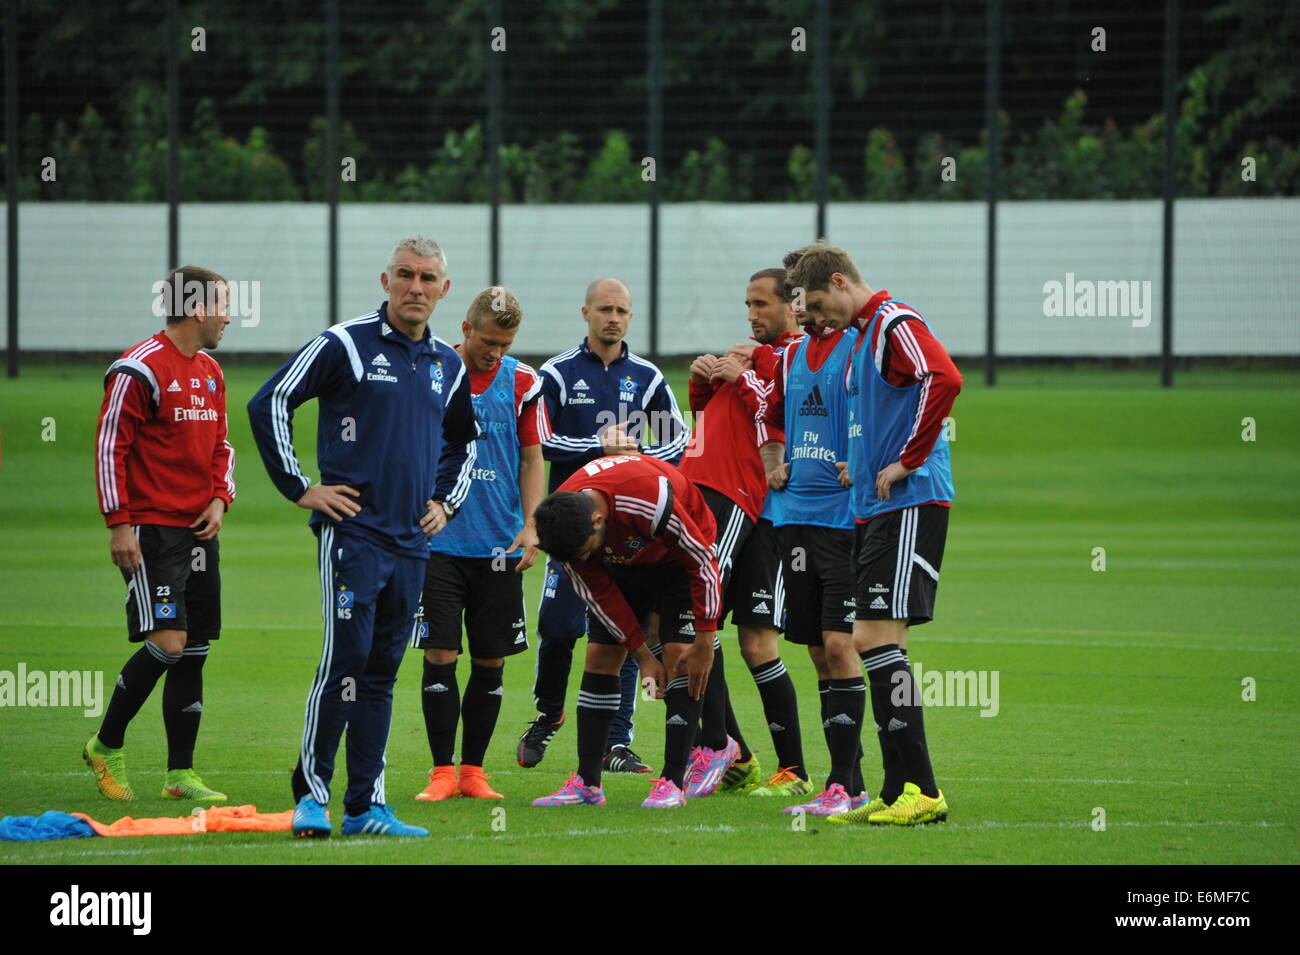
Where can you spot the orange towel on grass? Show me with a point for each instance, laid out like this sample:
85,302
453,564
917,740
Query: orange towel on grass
216,819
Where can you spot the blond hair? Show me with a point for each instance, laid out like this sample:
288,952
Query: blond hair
496,303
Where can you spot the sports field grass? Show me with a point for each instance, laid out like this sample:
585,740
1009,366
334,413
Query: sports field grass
1119,690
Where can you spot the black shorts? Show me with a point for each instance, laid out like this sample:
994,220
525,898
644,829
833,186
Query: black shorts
897,563
490,594
176,587
817,567
756,595
663,589
734,528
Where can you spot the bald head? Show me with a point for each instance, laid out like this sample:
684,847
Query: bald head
607,312
605,287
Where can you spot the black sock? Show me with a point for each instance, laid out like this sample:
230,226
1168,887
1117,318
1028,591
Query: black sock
859,784
824,697
733,730
846,704
481,707
134,684
713,713
598,702
683,712
183,706
440,700
781,709
897,709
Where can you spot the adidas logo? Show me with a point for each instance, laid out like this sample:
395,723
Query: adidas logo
435,688
762,607
580,384
195,707
879,604
687,628
121,682
499,691
840,719
379,360
675,720
896,724
813,404
776,727
520,639
174,386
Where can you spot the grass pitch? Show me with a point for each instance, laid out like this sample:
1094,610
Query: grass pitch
1120,690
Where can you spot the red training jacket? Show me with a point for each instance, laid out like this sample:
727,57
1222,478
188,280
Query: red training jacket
161,453
656,515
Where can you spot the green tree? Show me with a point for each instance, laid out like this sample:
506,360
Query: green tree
886,170
614,174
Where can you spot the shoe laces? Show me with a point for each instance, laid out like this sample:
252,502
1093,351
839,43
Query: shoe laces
698,763
783,775
574,784
662,787
831,796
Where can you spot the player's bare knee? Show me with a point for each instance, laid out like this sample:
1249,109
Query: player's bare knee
757,645
439,656
605,659
169,641
841,659
494,663
818,657
868,634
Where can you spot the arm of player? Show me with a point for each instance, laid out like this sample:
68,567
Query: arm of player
532,488
555,445
701,388
916,355
223,476
671,433
460,434
320,367
775,465
125,406
592,582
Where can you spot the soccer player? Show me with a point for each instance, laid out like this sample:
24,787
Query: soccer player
395,444
634,536
165,474
476,563
902,385
597,399
726,460
809,400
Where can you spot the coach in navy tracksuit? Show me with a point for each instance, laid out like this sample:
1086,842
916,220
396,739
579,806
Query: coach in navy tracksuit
395,444
597,399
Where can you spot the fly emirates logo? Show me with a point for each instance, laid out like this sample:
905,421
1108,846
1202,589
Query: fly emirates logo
196,412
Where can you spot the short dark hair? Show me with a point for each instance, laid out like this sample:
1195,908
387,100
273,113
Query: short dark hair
564,523
777,276
189,286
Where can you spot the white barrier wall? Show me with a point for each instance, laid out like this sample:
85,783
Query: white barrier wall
87,269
